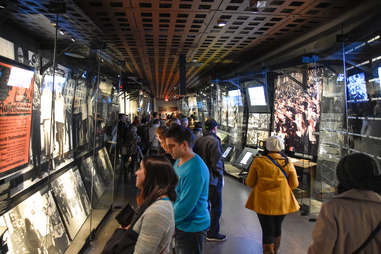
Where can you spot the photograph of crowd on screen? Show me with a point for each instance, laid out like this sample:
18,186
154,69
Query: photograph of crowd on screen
297,111
72,200
35,226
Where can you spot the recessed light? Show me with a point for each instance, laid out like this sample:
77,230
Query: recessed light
221,23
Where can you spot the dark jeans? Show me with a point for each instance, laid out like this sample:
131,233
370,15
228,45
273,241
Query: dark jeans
215,207
271,227
189,242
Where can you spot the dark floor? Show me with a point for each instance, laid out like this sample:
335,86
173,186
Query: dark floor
239,224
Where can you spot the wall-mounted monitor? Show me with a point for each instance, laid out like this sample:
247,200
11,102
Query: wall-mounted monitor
356,88
257,98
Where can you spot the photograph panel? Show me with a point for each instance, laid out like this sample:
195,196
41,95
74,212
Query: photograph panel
72,200
35,226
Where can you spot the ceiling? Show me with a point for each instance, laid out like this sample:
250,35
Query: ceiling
150,35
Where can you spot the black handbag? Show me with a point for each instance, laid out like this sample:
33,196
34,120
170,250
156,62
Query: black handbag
122,240
125,216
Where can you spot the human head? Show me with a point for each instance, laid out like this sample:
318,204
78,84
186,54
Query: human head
161,133
156,122
174,121
154,115
179,141
154,178
358,171
184,121
274,144
211,125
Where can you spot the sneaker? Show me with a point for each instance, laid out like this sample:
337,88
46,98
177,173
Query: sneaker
216,238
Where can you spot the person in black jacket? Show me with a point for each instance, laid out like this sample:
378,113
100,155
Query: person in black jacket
209,148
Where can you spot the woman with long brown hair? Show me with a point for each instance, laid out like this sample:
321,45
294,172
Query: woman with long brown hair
156,180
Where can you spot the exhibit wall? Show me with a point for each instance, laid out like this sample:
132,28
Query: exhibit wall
55,170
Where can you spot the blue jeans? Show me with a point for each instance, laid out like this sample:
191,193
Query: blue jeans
189,242
215,207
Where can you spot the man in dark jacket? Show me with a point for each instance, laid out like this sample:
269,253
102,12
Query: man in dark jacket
209,149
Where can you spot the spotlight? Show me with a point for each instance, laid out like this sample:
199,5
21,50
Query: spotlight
221,23
72,39
61,32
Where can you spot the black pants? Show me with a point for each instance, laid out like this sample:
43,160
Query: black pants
189,242
215,207
271,227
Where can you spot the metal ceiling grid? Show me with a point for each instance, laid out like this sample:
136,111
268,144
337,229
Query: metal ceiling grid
152,34
35,17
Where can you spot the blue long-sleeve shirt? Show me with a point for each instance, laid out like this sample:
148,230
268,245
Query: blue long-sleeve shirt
191,206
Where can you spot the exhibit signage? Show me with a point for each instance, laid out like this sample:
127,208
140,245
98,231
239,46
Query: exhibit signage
16,97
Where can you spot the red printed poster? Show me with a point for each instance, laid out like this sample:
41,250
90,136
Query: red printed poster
16,97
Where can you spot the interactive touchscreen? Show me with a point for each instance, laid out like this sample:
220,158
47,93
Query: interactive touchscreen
356,87
246,158
257,96
226,153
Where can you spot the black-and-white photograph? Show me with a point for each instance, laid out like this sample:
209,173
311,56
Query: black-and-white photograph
35,227
104,166
255,136
80,111
72,200
259,121
88,173
357,88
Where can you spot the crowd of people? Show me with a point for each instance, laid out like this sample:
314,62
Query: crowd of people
180,179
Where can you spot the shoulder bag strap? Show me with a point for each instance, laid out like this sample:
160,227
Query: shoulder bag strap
370,237
276,164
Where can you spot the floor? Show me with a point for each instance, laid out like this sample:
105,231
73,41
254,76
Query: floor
239,224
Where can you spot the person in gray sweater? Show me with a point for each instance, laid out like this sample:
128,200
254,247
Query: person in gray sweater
156,180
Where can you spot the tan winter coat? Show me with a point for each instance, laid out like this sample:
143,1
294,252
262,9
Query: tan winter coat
346,221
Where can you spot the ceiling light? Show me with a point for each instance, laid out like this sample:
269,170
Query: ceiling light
3,4
72,39
61,32
221,23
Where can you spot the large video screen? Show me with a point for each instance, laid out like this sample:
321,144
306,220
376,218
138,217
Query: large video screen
257,96
297,112
16,99
356,87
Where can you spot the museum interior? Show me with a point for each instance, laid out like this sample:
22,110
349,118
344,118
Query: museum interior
306,70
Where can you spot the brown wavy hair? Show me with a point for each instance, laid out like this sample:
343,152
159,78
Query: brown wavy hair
160,179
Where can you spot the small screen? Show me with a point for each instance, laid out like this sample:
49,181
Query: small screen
227,151
356,86
246,158
257,96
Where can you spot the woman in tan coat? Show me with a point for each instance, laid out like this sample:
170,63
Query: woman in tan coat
347,221
272,177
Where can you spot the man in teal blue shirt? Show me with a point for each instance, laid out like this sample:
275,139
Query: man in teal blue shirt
191,207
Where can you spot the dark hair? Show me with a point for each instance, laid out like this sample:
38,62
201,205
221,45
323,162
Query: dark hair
173,122
180,134
156,121
154,114
210,124
358,171
160,179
